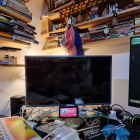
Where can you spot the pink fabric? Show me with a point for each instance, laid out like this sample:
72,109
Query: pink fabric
70,39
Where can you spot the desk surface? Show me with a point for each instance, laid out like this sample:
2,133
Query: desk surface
82,125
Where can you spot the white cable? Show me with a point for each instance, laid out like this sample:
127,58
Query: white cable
115,128
21,115
89,110
94,122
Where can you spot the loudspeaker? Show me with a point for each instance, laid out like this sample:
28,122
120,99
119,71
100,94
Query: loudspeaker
16,103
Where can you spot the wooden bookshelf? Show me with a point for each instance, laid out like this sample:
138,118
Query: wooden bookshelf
12,65
53,32
63,7
91,23
53,50
109,42
13,43
102,20
14,14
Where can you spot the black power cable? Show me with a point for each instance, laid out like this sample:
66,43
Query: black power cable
127,113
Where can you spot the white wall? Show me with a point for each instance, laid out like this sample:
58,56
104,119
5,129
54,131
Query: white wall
11,82
120,72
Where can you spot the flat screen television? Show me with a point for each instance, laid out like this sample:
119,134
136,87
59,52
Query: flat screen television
78,80
134,73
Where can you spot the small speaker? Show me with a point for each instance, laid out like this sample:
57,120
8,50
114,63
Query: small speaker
16,103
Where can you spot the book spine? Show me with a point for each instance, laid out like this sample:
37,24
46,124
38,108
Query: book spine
22,38
18,3
5,34
20,24
6,28
24,34
24,29
21,1
18,12
26,24
16,7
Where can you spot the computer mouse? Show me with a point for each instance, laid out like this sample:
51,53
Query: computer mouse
112,136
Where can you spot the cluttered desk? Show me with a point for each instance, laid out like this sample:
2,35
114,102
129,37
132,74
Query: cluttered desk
105,124
71,83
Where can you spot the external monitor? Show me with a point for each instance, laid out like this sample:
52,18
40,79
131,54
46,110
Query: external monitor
61,80
134,74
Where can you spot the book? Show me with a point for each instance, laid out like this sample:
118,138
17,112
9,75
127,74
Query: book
137,21
21,1
53,38
6,35
6,22
16,7
98,31
24,29
23,34
51,43
26,24
122,19
85,39
62,133
51,46
20,24
18,3
5,17
22,38
122,25
84,36
16,128
16,11
100,27
125,22
6,28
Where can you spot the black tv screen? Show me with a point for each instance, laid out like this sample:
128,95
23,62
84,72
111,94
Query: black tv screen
78,80
134,73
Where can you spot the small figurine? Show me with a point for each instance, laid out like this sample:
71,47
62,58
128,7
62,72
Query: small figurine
57,27
61,25
64,24
89,16
94,11
105,12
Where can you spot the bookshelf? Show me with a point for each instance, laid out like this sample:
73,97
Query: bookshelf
63,7
53,50
14,14
12,65
55,31
109,42
9,42
83,25
12,43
